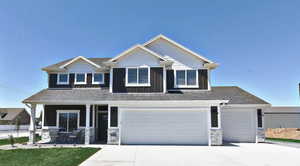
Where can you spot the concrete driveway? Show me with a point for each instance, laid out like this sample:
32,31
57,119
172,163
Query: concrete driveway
242,154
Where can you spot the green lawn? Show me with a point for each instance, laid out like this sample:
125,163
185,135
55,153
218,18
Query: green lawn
17,140
45,157
283,140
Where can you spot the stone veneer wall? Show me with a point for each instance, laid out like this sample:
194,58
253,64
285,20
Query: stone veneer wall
216,137
113,136
49,135
260,135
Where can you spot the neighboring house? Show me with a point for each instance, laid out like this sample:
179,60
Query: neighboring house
9,117
156,93
282,117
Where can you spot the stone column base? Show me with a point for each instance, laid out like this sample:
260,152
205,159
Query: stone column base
260,135
113,136
216,137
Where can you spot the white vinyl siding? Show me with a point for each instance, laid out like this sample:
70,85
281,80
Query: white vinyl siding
282,120
239,124
164,127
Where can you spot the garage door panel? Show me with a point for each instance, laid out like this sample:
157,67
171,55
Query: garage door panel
238,125
164,127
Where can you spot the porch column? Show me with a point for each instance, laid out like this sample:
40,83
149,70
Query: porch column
32,124
87,124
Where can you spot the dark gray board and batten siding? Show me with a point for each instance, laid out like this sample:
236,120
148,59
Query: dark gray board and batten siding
156,81
202,80
52,82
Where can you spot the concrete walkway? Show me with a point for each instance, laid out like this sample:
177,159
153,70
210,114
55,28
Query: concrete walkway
242,154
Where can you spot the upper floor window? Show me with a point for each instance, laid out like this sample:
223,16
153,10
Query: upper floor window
186,79
138,76
80,78
62,78
98,78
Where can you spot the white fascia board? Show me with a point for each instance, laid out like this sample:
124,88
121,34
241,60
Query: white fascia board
247,106
140,103
133,48
177,45
77,58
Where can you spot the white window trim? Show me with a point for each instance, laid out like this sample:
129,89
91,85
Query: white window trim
67,111
80,83
98,82
185,86
137,84
62,83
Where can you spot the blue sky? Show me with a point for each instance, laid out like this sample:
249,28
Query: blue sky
256,43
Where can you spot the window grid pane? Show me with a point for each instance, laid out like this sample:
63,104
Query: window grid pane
143,75
63,122
80,77
191,77
73,117
63,78
259,118
180,77
98,77
132,76
114,116
214,117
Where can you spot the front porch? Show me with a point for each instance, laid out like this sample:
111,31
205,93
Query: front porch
77,124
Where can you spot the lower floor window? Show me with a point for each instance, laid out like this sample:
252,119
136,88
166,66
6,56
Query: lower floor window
68,121
214,117
259,118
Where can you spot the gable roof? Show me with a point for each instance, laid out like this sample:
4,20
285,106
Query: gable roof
177,45
56,67
233,94
136,47
10,113
78,58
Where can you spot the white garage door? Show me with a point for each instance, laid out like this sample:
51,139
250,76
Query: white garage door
239,125
164,127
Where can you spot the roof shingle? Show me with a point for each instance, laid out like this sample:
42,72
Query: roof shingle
234,94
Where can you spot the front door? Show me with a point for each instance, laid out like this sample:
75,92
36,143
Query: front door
102,126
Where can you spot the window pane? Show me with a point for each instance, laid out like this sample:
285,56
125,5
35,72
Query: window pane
114,116
143,75
180,77
63,78
191,77
80,77
259,118
214,116
73,117
63,120
98,77
132,76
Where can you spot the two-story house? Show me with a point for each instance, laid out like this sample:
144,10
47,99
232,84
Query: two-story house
158,92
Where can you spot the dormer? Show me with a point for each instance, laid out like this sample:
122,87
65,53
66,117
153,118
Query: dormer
79,72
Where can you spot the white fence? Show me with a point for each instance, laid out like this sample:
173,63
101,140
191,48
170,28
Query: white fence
13,127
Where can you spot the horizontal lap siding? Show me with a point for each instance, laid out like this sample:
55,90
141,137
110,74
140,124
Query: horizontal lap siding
156,81
50,114
53,81
202,80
